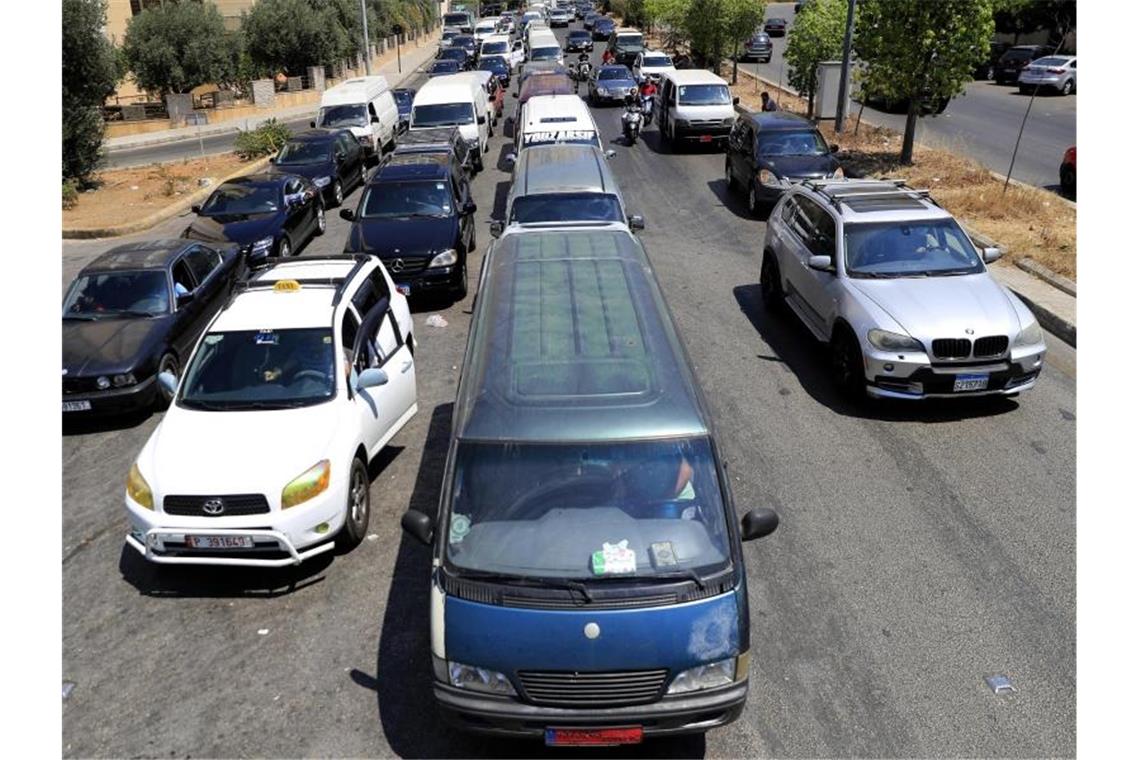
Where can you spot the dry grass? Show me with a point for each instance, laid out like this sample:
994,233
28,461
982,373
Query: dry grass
1029,222
126,195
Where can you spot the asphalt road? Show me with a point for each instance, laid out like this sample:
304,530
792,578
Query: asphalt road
982,123
193,148
921,549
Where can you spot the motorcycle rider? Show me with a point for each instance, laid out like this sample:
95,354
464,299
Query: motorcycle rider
647,91
631,119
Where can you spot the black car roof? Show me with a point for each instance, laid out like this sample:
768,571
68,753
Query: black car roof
414,166
773,120
265,179
316,135
145,254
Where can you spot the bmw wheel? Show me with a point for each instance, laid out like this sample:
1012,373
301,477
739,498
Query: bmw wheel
847,365
363,175
357,509
753,201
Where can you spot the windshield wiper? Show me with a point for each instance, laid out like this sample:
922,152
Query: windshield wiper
688,573
529,580
203,405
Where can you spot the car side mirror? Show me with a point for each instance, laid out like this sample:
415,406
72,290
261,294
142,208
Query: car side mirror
610,153
469,207
313,124
196,208
418,525
736,101
636,222
496,229
347,214
375,119
168,381
758,523
371,378
834,148
340,158
820,263
990,255
183,299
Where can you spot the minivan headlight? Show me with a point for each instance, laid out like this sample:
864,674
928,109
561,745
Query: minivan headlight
444,259
885,340
138,489
308,484
473,678
1030,335
708,676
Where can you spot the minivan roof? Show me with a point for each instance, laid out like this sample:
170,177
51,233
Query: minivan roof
572,341
693,76
356,90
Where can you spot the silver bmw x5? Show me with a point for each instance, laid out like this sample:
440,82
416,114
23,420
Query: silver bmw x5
898,290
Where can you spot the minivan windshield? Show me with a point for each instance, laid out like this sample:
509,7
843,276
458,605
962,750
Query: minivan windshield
443,115
629,42
704,95
587,511
909,249
260,369
566,207
353,115
800,142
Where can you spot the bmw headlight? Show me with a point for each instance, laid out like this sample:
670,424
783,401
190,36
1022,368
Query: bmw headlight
138,489
444,259
708,676
473,678
884,340
261,247
322,181
122,381
308,484
1030,335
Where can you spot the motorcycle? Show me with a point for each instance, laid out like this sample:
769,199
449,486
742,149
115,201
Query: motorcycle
647,108
631,121
581,72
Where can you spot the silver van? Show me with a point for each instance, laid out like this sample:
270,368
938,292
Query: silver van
564,184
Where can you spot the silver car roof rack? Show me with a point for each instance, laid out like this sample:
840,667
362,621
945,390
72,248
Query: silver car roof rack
835,195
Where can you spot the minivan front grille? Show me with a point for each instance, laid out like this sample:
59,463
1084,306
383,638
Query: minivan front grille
951,348
990,346
574,689
233,504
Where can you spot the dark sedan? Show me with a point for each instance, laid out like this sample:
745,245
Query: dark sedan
265,214
404,97
588,19
331,159
579,40
417,215
441,68
603,27
776,27
455,54
135,311
467,43
498,66
611,83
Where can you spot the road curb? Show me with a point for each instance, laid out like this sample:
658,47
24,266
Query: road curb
90,233
1054,323
1059,281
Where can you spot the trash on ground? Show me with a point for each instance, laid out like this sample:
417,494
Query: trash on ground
68,687
262,631
435,320
1000,684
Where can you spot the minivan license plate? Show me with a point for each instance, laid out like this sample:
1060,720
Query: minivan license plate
970,383
593,737
219,542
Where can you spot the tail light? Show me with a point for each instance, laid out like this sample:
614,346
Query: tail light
1056,71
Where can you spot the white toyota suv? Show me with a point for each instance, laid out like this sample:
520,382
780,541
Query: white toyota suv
899,291
262,458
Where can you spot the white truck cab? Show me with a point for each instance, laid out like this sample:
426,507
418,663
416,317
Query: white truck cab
365,106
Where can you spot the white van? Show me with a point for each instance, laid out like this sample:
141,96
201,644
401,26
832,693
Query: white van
694,105
542,45
500,45
484,28
556,120
364,105
454,100
484,80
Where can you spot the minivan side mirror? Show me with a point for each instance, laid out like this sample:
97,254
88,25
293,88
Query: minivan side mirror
736,101
990,255
756,524
419,526
482,120
347,214
469,207
313,124
496,229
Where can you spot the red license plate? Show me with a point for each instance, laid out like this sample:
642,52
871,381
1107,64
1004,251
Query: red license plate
706,138
593,737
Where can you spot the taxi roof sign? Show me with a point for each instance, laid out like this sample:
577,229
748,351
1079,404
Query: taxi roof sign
286,286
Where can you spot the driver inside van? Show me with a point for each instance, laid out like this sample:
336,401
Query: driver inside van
661,488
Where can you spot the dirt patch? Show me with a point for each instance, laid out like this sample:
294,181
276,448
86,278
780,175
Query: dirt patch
127,195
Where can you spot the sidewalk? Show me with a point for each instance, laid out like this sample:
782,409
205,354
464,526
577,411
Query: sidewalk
397,70
1055,309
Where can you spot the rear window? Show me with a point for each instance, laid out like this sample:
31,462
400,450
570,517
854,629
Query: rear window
1051,62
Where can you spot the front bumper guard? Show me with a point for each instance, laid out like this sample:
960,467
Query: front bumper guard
154,536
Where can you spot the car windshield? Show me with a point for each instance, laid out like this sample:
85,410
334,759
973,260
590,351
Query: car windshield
443,115
455,19
807,142
490,48
566,207
579,34
454,54
354,115
303,152
656,61
444,67
400,200
587,511
925,248
464,41
117,294
704,95
260,369
241,199
614,74
627,41
544,53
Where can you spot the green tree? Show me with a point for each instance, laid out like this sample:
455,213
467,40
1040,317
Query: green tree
669,16
291,35
742,18
91,69
176,47
816,36
918,51
717,27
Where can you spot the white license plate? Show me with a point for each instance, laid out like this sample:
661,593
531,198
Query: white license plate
76,406
970,383
405,289
219,542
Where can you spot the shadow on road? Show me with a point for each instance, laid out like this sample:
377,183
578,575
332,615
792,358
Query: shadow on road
735,201
499,210
797,349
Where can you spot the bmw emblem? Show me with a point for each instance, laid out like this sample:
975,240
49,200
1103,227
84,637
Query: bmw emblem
592,630
969,331
214,507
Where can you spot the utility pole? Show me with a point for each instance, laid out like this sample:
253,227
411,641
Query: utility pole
841,107
364,24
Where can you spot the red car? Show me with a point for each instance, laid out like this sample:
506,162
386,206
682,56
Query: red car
1069,171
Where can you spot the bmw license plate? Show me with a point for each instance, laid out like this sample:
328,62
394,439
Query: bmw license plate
404,288
76,406
593,737
219,542
970,383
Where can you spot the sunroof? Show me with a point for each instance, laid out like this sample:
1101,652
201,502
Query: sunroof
890,203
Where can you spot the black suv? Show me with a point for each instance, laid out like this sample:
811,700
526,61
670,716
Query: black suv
1015,59
769,149
417,216
438,140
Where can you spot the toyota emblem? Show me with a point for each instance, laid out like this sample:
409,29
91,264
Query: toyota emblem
398,265
214,506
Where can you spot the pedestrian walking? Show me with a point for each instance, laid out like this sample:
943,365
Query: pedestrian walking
767,103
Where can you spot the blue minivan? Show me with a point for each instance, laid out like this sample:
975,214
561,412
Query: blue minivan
588,581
